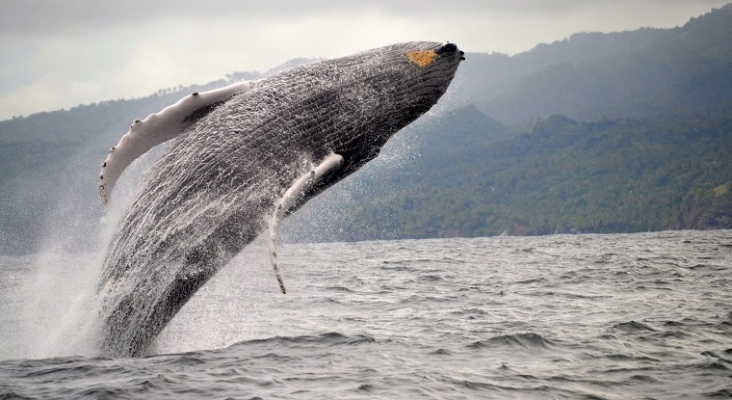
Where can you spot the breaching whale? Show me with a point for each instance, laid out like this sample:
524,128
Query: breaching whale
240,159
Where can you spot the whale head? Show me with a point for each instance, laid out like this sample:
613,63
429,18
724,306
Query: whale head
385,89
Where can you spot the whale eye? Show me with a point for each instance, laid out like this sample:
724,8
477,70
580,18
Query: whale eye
422,58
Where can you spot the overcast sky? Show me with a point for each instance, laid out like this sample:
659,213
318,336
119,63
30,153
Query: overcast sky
58,54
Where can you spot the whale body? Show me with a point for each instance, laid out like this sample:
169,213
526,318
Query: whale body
239,160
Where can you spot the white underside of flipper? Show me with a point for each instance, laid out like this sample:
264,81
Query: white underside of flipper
291,196
156,129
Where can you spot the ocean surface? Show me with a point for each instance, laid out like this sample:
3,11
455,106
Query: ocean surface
628,316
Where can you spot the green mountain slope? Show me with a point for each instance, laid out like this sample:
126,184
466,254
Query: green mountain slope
669,172
618,75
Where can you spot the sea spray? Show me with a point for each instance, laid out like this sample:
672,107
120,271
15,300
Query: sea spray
52,296
53,301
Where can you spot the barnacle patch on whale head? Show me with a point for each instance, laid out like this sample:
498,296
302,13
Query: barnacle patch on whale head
422,58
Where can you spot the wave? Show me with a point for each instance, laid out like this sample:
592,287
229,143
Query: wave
632,326
531,281
527,340
329,338
341,289
710,267
719,394
629,358
441,352
431,278
470,312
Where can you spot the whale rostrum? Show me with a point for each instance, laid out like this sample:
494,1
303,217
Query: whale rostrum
239,160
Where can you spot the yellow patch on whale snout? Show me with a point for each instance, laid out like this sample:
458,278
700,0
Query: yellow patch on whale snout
422,58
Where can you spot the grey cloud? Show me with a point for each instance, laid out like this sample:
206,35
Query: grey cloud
56,54
51,17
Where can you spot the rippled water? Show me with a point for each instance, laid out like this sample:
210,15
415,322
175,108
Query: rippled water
641,316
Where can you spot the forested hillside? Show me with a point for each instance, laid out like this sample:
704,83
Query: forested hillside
611,132
618,75
562,176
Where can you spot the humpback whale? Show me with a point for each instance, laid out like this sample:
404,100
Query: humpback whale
239,160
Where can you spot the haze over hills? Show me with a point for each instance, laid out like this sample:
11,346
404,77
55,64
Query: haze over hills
618,75
600,132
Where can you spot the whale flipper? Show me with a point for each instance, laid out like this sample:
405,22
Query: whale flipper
158,128
295,193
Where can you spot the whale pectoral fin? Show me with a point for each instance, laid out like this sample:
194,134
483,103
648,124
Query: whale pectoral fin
158,128
301,185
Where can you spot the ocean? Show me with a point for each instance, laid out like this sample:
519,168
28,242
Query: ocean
621,316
